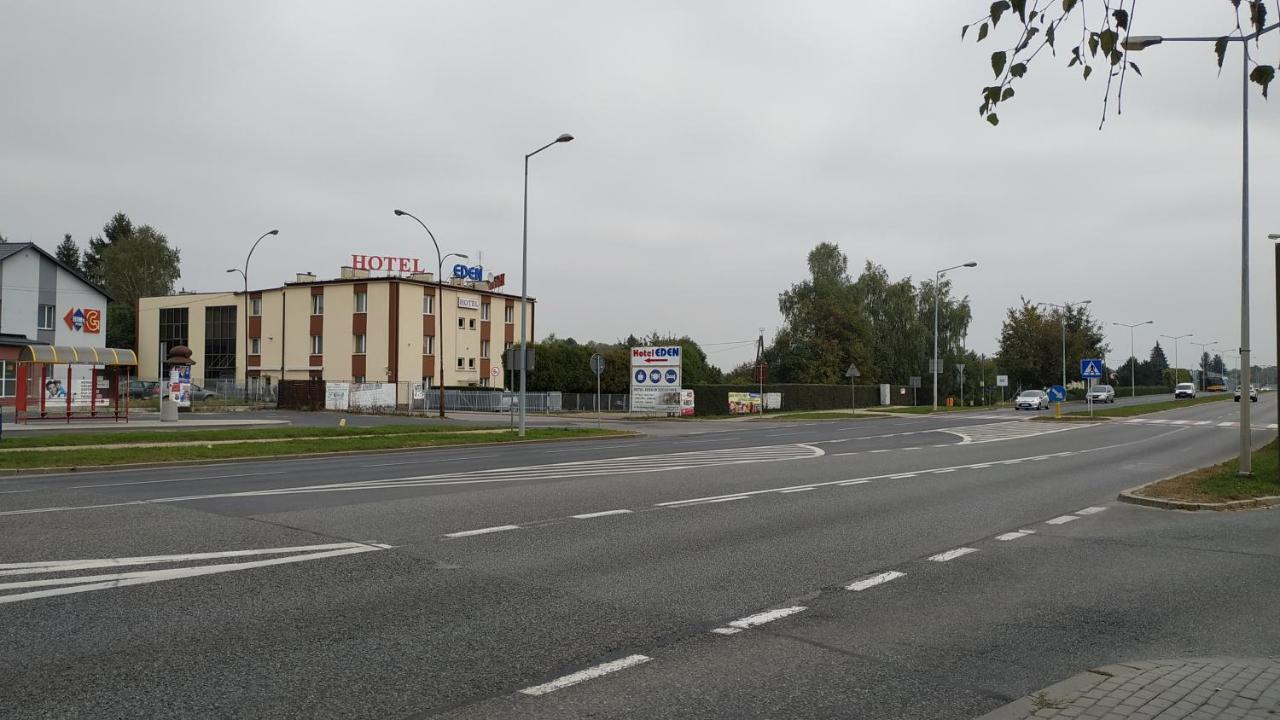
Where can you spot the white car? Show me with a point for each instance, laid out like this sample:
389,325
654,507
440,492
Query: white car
1253,393
1187,390
1102,394
1031,400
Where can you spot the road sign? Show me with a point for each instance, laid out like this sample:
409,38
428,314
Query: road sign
1002,381
1057,393
597,363
1091,368
913,381
960,367
935,366
511,358
852,372
655,379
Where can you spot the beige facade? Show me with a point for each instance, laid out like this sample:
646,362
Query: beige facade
349,329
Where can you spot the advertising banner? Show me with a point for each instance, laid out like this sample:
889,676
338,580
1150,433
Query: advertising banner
656,379
744,403
686,403
180,386
773,401
372,396
336,395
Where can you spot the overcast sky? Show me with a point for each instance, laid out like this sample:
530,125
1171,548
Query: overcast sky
717,142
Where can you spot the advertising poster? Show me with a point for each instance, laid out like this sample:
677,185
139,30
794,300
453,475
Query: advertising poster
686,403
180,386
773,401
656,379
744,403
336,395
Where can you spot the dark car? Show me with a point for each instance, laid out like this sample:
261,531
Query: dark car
144,389
199,393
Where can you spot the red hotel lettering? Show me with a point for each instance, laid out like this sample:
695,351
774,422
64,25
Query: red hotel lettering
404,264
360,262
416,267
372,260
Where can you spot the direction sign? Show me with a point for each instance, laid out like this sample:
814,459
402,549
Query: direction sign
960,367
913,381
1091,368
1002,381
1057,393
852,372
597,363
935,366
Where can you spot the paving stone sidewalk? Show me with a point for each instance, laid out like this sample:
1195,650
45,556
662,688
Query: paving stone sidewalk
1186,689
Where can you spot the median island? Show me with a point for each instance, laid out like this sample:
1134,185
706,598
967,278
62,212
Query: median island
85,451
1217,487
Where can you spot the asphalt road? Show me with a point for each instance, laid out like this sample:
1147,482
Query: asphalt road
697,573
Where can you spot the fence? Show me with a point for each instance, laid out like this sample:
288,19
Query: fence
586,402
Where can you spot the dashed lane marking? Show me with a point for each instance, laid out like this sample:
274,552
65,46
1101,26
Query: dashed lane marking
952,554
603,513
795,490
759,619
589,674
1015,535
482,531
874,580
1061,520
1092,510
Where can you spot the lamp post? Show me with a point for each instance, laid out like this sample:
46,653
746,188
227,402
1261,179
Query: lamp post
1175,339
1064,307
245,275
439,308
524,279
1133,358
937,296
1205,369
1141,42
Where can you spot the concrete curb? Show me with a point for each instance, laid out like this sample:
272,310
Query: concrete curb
73,469
1027,705
1132,497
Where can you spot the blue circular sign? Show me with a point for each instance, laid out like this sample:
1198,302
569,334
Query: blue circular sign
640,374
1057,393
671,376
655,375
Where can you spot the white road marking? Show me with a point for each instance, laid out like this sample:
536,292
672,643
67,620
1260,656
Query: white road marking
482,531
28,568
952,554
853,482
1061,520
705,501
1090,510
902,476
726,630
943,471
981,466
796,490
1015,534
767,616
588,516
1009,430
423,460
588,674
874,580
106,582
169,480
10,492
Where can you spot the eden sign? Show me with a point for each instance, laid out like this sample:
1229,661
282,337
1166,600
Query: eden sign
406,265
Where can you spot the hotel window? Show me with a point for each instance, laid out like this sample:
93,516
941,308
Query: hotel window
459,363
428,345
173,332
462,323
358,379
220,350
507,313
8,378
428,304
471,323
484,382
317,304
44,317
317,344
362,302
484,348
358,345
484,311
255,346
507,345
471,363
255,307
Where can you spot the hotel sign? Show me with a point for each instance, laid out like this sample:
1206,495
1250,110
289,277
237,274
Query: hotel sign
387,263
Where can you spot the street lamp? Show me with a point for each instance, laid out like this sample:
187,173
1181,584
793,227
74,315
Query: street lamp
937,295
1205,368
1175,339
524,279
1133,358
1141,42
1064,307
244,274
439,308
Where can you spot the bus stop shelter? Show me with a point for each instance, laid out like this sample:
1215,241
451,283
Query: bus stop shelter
93,386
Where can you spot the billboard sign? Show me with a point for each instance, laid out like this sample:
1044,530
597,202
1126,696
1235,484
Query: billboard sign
744,403
656,379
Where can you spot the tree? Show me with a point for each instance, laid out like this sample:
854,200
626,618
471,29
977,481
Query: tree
1031,350
68,252
1155,367
1099,42
119,228
139,264
3,239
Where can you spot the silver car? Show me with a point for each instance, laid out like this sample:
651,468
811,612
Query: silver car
1102,394
1031,400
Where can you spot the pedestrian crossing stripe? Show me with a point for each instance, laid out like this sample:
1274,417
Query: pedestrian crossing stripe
1010,430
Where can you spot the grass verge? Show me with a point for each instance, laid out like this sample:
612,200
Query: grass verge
135,437
357,440
818,415
1219,483
1131,410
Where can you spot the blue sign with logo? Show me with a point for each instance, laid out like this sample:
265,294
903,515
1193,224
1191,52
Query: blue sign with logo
463,272
672,376
655,375
1091,368
640,376
1057,393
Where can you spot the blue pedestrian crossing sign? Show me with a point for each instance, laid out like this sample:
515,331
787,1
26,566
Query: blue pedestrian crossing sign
1091,369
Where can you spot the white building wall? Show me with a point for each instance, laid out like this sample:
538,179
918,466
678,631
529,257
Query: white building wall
73,293
19,293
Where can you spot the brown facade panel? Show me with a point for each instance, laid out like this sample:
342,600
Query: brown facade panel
255,326
317,289
509,332
393,333
254,360
429,368
316,361
486,329
317,325
429,325
360,288
357,366
359,323
484,368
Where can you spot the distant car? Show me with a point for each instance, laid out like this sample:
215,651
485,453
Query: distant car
1102,394
1031,400
1187,390
1253,393
199,393
144,389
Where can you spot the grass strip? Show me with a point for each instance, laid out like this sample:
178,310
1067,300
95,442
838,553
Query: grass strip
92,457
818,415
1219,483
130,437
1131,410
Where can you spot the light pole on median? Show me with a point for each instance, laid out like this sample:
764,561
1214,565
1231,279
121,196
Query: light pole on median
1205,368
1064,308
1141,42
937,296
1133,359
245,275
1175,339
524,280
439,308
